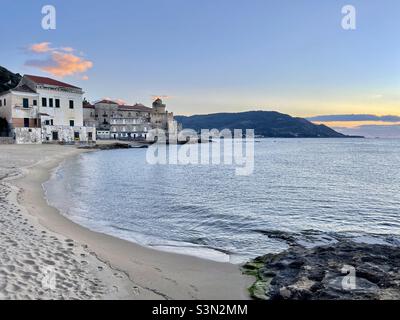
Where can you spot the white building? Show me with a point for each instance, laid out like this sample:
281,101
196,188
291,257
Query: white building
41,109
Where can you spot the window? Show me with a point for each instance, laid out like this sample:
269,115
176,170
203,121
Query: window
26,122
51,102
71,123
52,122
25,103
57,103
5,102
1,103
44,102
71,104
76,135
35,102
47,122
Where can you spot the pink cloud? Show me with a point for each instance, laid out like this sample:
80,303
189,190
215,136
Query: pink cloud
121,102
40,47
62,64
163,97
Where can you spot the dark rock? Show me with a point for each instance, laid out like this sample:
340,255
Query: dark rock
326,272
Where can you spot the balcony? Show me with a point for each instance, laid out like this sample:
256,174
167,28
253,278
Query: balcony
17,106
30,111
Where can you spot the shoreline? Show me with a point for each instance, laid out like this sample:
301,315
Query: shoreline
149,273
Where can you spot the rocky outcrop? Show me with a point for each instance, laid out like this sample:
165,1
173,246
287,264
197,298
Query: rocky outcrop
8,80
343,270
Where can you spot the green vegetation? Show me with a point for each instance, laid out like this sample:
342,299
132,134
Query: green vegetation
258,288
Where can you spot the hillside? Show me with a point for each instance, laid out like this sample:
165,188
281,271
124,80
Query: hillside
8,80
265,123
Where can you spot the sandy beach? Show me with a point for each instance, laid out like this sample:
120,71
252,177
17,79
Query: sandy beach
43,255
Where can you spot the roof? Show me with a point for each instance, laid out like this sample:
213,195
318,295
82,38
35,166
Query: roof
105,101
136,107
49,81
88,106
23,88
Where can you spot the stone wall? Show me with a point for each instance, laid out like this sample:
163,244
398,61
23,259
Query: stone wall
66,134
6,140
28,135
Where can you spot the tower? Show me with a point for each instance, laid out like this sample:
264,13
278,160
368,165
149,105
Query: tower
159,106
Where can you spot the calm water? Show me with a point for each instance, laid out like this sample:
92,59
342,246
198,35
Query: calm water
331,185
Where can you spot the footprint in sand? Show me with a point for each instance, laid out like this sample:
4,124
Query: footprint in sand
29,262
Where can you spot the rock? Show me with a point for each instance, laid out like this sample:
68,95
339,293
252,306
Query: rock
339,271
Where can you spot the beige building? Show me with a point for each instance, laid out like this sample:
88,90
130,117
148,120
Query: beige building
114,121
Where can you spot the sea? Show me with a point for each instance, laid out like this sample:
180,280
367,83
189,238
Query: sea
309,189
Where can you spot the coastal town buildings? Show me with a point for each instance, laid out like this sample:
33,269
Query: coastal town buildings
44,110
128,122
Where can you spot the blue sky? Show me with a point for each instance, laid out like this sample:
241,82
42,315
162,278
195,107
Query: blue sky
212,56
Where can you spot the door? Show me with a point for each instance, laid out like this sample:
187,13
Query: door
55,136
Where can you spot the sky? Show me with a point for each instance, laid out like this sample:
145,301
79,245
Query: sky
215,56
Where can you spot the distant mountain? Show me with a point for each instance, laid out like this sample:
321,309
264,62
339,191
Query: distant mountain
8,80
355,117
265,123
373,131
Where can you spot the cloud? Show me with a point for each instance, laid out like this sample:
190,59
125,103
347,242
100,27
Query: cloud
164,97
355,117
40,47
68,49
121,102
44,47
376,96
59,62
372,131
